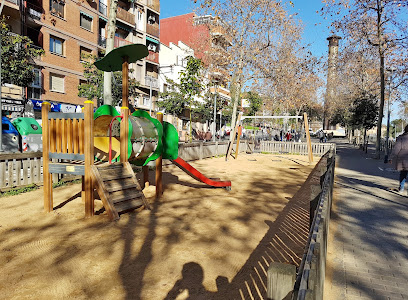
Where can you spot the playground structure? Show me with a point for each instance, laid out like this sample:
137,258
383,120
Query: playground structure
79,138
238,129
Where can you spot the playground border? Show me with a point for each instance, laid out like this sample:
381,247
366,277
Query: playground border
307,282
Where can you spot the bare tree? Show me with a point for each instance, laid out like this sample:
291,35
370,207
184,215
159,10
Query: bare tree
254,27
379,24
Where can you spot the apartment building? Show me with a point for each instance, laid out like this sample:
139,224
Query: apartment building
68,29
173,60
207,36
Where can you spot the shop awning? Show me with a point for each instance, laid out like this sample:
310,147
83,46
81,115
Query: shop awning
123,26
102,18
152,40
85,14
10,104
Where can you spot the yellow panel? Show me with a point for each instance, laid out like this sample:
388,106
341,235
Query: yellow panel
101,148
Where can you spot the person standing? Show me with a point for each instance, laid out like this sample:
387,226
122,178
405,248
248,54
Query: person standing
400,157
321,136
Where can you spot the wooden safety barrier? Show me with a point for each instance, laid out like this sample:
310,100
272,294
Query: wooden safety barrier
68,137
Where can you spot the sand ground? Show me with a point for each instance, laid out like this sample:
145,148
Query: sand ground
195,243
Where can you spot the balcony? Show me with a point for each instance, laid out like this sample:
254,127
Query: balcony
103,9
126,16
153,30
154,82
118,42
154,4
34,11
153,57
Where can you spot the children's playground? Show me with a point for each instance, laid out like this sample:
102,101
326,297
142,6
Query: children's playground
194,240
144,223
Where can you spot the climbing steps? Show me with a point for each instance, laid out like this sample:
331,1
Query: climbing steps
118,188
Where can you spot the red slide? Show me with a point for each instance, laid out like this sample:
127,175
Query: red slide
190,170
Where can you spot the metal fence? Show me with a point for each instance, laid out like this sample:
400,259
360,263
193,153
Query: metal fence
318,149
21,169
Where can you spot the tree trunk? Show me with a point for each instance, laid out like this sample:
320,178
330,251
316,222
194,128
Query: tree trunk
110,40
191,127
381,53
235,95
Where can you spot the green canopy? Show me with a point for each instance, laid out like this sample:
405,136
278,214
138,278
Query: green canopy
113,60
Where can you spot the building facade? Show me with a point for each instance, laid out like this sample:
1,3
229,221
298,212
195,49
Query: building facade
69,29
207,37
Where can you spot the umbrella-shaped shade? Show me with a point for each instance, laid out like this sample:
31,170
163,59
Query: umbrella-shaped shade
114,59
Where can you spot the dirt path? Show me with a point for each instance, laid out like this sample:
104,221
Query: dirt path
195,243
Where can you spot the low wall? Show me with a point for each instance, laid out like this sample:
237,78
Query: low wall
201,150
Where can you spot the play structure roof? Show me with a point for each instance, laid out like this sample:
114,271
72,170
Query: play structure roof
114,59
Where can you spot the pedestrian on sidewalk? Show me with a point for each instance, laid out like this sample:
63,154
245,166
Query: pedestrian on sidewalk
400,156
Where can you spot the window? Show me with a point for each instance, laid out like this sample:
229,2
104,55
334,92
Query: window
34,93
56,45
86,21
146,101
82,82
57,7
34,90
152,47
165,87
84,54
37,78
57,83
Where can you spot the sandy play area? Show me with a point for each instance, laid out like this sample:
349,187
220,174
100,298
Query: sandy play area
195,243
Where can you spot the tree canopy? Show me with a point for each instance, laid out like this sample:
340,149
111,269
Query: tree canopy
18,54
93,87
185,94
377,27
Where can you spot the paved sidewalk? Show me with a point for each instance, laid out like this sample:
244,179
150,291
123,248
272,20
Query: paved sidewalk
368,238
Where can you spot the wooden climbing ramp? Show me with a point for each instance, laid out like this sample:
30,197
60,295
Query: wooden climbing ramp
118,188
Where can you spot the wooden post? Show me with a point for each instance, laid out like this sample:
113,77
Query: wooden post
124,135
280,280
309,143
89,159
145,176
125,82
159,170
48,201
238,139
124,124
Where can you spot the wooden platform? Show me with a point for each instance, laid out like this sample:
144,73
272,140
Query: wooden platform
118,188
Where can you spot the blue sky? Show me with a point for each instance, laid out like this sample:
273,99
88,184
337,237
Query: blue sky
314,34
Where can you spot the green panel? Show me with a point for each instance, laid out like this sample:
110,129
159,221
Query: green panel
113,60
170,141
156,154
106,110
26,126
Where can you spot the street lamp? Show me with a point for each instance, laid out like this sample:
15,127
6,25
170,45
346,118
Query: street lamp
388,118
215,113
